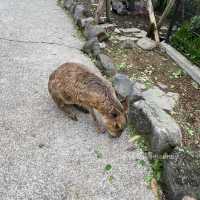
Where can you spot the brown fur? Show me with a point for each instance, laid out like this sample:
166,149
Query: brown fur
73,84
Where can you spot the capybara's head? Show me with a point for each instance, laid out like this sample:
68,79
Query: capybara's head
116,120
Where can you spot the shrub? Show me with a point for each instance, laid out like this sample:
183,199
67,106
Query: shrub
195,25
187,42
192,8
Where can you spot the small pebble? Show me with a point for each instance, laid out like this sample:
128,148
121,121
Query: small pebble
41,145
117,31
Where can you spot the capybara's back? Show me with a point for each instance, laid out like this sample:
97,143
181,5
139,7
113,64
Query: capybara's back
73,84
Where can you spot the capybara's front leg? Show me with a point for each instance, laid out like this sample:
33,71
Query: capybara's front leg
68,109
99,126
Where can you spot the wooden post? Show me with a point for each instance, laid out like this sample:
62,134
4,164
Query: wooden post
108,11
99,11
153,20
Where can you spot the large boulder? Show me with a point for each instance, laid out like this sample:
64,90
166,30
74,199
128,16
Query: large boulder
105,64
122,84
83,22
188,198
72,8
140,7
128,44
80,12
146,43
130,30
137,92
181,175
161,129
92,31
141,34
119,7
92,47
123,38
68,4
108,26
166,101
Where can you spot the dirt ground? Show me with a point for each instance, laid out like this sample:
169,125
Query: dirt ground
156,68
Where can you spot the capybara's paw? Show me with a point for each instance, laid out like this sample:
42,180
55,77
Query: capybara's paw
101,129
73,117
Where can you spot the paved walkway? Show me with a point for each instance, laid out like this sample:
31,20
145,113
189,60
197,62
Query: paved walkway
43,154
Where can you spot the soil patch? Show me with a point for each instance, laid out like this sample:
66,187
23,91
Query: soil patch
156,68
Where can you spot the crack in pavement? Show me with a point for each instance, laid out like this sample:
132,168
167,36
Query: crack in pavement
39,42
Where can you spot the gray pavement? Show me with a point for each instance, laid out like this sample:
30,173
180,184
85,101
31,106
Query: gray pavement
43,154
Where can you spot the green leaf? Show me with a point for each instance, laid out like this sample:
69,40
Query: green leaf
110,179
108,167
98,154
195,85
121,66
190,132
135,138
141,163
148,179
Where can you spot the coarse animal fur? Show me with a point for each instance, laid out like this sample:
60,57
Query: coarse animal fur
74,84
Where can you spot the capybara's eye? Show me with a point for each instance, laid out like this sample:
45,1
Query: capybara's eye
114,115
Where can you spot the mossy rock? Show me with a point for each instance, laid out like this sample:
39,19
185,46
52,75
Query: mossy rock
181,175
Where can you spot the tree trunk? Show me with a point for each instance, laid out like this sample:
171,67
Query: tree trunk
153,21
108,10
99,11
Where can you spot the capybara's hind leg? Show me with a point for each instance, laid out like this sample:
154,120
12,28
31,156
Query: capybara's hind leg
67,108
81,108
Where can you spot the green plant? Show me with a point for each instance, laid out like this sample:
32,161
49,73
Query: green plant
108,167
98,154
190,132
157,167
156,164
121,66
187,43
138,139
110,179
191,8
148,84
60,2
195,85
195,25
141,163
177,74
156,171
186,150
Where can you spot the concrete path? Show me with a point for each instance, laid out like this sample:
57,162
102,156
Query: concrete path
43,154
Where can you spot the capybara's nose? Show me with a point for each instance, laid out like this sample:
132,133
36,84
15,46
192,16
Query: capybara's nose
116,134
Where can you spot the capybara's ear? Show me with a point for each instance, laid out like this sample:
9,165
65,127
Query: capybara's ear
124,103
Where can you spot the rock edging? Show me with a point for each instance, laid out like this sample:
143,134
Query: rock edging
162,138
